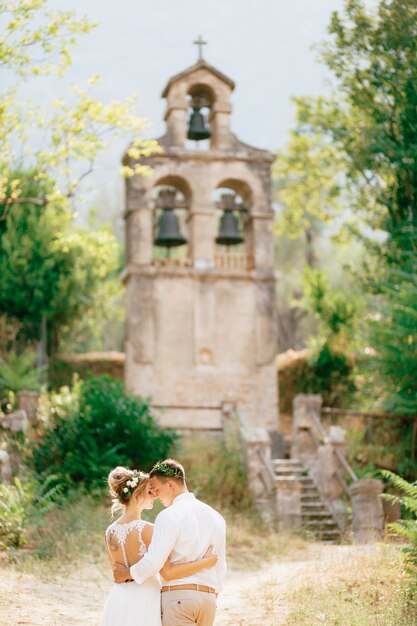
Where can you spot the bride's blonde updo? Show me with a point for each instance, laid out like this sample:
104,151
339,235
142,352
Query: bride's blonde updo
123,483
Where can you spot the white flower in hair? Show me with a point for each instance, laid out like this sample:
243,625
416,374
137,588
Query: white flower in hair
125,490
129,483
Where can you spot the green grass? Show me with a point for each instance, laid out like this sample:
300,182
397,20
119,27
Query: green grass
67,535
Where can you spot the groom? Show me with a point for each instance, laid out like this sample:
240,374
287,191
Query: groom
183,531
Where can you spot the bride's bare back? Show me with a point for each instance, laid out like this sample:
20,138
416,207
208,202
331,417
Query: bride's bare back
131,604
127,542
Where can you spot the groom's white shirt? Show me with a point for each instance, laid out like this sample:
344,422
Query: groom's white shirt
183,532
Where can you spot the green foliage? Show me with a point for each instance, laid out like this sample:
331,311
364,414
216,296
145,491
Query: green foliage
406,528
62,372
308,175
334,308
328,370
389,371
332,375
368,48
9,330
50,270
361,140
98,427
19,372
371,118
38,41
22,505
393,336
325,372
101,325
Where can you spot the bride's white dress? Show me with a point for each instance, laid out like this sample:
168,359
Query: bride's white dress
130,604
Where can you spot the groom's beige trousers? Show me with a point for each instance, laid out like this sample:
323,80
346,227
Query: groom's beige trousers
183,607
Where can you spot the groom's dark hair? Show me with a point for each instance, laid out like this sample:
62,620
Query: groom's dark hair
168,469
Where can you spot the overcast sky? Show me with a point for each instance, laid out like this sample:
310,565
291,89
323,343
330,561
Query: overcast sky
265,46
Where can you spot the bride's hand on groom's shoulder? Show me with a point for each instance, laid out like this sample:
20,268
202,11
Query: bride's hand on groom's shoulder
120,573
209,558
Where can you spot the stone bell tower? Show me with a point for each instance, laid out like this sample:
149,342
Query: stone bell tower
200,286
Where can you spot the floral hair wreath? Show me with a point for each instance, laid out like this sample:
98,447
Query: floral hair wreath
131,485
167,470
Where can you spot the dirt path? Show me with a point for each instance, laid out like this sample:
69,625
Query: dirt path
250,598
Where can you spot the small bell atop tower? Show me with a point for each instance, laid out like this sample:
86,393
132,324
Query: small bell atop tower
198,106
197,127
200,99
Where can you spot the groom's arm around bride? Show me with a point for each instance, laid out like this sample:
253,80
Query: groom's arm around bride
183,532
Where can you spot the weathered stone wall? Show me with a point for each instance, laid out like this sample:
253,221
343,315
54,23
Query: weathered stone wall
200,344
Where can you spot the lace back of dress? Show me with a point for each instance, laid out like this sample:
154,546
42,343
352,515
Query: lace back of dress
122,531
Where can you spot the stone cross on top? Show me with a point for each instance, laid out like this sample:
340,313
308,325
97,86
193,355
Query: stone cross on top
200,43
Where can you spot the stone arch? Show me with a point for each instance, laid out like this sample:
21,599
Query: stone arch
202,97
241,187
203,90
246,191
178,182
244,181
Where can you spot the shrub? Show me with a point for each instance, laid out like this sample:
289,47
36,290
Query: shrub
326,372
328,368
102,426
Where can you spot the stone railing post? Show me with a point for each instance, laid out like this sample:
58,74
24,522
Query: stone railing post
306,439
288,502
257,442
322,452
28,401
260,473
327,481
231,425
253,445
16,422
367,510
5,467
329,476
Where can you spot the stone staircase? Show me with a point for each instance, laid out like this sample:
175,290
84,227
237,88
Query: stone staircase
316,516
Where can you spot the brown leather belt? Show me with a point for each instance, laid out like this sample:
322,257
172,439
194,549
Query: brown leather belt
191,586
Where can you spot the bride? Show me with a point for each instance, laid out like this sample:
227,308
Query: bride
127,540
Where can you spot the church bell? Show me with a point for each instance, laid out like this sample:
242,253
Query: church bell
229,234
197,129
169,234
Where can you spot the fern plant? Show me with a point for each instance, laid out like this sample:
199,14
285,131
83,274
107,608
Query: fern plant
22,505
406,528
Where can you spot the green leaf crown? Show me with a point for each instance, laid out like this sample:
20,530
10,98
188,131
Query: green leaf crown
167,470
